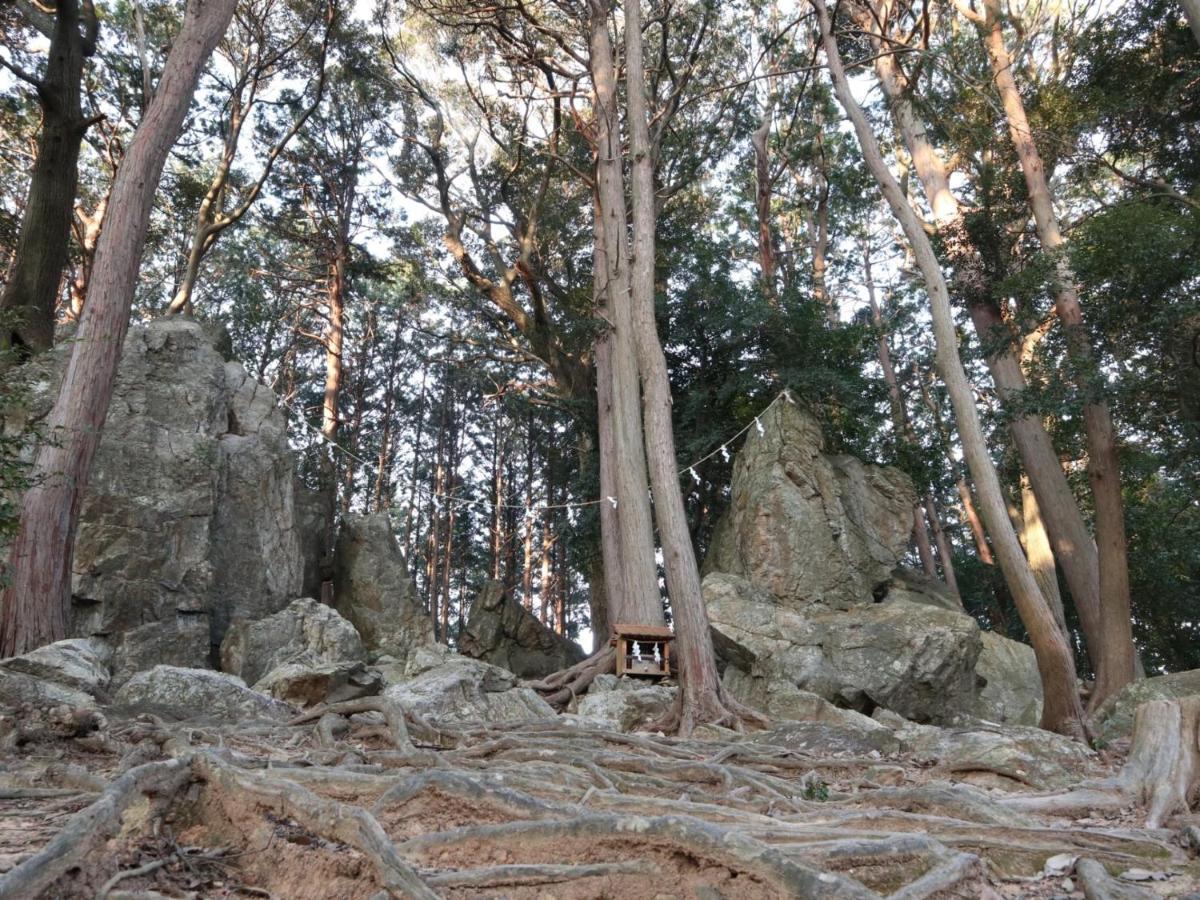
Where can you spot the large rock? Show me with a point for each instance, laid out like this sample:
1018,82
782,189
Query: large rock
807,526
179,693
504,633
463,691
1010,689
914,659
189,517
625,704
782,701
917,587
372,587
1114,718
78,663
306,633
307,684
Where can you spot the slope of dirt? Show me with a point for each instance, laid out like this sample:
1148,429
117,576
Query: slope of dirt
146,809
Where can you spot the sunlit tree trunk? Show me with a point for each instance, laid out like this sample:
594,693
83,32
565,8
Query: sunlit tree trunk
37,600
1062,710
1072,542
1116,665
638,601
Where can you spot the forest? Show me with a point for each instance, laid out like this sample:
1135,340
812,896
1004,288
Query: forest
532,278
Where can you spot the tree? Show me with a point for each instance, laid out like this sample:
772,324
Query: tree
30,294
1062,710
1116,666
36,603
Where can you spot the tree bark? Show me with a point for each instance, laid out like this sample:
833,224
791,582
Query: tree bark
1041,558
1116,665
1062,710
1069,535
945,553
702,696
30,294
640,603
37,601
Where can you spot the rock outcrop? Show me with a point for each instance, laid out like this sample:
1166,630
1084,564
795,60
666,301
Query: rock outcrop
373,590
504,633
808,526
806,595
914,659
456,690
179,693
625,704
305,633
189,520
1010,690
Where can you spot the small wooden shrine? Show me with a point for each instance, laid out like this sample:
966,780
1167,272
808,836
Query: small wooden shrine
643,650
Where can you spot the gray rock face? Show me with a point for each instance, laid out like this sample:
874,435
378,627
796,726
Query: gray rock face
1012,689
625,704
306,684
306,632
462,691
807,526
1114,718
782,701
917,660
372,587
189,518
916,587
180,693
79,663
504,633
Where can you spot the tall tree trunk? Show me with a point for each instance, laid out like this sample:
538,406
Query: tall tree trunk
31,293
762,205
920,534
945,553
37,601
1041,558
639,601
335,299
1069,535
1062,710
702,696
971,514
1116,666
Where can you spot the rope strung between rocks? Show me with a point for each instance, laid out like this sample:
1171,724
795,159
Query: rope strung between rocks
531,510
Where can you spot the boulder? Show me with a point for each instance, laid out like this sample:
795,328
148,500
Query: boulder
504,633
179,693
372,587
783,702
189,517
20,689
306,632
625,704
917,587
463,691
1009,757
305,684
1114,717
79,663
1011,687
915,659
807,526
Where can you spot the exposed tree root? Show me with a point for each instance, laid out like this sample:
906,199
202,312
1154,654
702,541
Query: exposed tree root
1162,773
521,810
558,688
86,833
1097,884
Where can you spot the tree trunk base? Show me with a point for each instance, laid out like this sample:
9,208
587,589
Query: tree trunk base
1162,773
